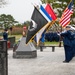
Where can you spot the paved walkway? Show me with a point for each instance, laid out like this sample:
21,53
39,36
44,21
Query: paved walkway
46,63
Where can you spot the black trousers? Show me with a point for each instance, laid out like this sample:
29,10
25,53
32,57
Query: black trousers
68,53
73,50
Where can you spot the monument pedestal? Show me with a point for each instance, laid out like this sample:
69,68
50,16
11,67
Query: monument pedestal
25,51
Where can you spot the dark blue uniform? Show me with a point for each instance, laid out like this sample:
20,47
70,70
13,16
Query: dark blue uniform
52,36
5,36
73,42
67,45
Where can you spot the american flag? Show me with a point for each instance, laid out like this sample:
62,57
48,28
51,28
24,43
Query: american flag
65,18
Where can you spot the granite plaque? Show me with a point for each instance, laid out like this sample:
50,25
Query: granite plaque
3,58
3,45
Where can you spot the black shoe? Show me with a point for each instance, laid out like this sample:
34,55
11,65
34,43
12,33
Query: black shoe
65,62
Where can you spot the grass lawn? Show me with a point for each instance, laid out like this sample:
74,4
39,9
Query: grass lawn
17,37
53,43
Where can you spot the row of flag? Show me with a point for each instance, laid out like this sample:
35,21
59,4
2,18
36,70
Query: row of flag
43,18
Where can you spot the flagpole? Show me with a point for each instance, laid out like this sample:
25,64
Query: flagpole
60,38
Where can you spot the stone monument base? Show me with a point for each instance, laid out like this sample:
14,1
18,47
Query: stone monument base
25,51
26,54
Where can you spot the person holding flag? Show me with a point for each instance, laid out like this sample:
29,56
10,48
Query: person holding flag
67,35
67,42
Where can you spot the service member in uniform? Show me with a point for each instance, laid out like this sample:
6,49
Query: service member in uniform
67,44
5,34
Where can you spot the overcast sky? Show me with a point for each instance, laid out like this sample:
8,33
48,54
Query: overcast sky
21,10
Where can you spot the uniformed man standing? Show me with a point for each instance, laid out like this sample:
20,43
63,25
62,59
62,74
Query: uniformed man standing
73,39
5,34
67,44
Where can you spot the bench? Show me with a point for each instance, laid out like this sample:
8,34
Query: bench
53,48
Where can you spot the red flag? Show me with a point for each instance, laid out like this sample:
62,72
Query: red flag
50,11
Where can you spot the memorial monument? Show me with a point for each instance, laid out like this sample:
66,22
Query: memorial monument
24,51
